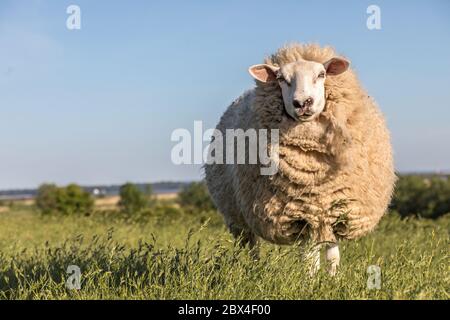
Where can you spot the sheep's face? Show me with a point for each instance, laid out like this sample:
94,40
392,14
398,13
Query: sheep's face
302,84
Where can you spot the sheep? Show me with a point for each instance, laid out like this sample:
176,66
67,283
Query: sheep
335,174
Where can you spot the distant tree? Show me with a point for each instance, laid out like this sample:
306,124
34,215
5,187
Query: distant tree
195,196
73,199
132,200
47,198
65,200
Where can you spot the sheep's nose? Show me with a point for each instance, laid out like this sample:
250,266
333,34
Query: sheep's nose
297,104
309,102
303,104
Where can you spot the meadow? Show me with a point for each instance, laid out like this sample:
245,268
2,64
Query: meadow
179,255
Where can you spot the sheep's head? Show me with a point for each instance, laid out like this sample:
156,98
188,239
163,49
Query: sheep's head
302,84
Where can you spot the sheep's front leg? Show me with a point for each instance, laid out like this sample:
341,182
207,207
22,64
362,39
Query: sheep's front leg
311,255
333,258
247,238
253,244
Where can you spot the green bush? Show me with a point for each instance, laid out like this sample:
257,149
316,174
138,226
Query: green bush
166,214
132,200
195,197
74,199
428,197
65,200
47,198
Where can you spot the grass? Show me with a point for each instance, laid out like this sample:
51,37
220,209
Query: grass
191,257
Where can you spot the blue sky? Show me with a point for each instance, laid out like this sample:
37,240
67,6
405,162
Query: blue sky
98,105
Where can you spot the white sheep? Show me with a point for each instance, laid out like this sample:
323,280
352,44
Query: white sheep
335,172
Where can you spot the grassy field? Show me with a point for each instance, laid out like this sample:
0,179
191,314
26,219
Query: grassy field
193,257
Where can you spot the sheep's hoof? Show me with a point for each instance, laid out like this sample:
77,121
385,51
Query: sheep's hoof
333,258
254,253
332,270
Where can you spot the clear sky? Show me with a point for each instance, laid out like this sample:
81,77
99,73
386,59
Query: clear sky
98,105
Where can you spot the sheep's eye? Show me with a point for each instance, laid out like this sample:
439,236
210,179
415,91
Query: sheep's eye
282,79
321,75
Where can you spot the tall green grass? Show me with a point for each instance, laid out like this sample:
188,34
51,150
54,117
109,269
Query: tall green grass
193,257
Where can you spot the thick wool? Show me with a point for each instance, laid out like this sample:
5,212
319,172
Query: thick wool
335,176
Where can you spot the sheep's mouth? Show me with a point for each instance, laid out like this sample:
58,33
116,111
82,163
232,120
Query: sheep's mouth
298,114
306,116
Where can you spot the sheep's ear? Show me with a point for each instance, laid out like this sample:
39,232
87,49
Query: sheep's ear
336,66
263,72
